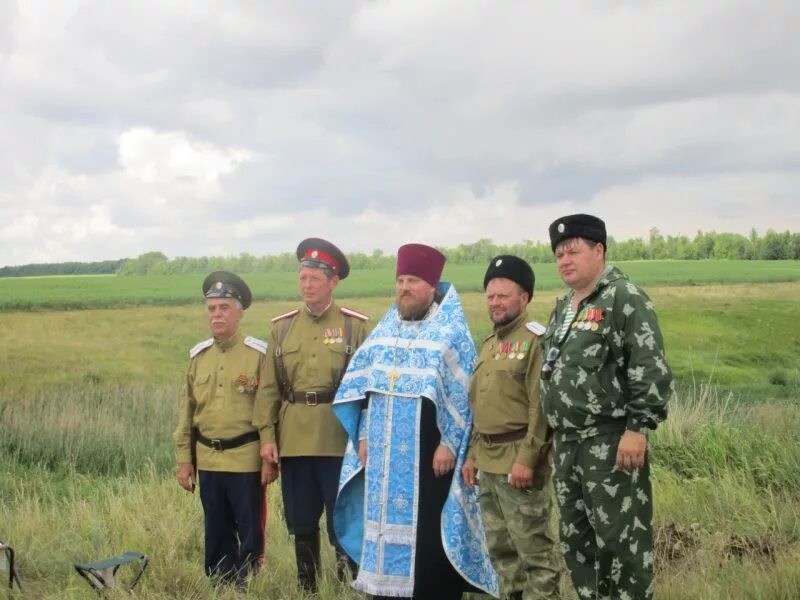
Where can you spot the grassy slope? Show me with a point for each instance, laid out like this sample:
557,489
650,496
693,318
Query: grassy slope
743,336
88,401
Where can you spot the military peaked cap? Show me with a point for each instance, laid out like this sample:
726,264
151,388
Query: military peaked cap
320,254
511,267
224,284
587,227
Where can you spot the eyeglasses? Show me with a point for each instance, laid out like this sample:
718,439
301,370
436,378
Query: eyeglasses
549,363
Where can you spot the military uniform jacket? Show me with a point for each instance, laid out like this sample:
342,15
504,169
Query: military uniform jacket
218,399
504,397
314,356
611,373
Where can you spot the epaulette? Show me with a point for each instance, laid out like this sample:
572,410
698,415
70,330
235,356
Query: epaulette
353,313
536,328
291,313
256,344
200,347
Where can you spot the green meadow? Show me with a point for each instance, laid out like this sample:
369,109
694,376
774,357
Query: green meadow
110,291
88,399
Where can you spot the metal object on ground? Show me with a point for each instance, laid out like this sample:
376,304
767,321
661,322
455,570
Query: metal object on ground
7,563
101,574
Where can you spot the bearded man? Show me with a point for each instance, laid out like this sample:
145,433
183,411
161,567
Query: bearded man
400,512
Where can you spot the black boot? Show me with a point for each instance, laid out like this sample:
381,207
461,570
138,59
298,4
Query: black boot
344,566
306,550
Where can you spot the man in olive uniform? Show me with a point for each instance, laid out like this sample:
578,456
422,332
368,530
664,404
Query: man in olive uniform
605,384
216,436
311,347
510,441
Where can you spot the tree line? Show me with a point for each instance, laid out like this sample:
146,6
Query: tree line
710,245
104,267
772,245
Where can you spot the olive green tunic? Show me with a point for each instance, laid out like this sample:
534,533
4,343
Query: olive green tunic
504,397
311,366
218,399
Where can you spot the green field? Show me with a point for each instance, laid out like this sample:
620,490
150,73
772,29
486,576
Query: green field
92,291
741,337
88,399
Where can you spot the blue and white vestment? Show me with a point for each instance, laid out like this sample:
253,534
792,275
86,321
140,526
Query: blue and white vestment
376,515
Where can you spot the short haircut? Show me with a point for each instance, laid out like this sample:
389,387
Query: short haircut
325,269
570,241
238,302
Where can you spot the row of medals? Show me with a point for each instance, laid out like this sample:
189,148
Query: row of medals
333,335
512,350
589,319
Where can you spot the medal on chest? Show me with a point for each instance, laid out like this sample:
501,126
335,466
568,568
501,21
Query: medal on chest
333,335
512,350
588,319
246,384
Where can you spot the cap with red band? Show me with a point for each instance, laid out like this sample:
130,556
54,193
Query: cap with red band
319,254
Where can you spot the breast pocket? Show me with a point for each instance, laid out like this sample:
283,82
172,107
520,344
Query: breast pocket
201,388
510,377
336,357
288,360
591,349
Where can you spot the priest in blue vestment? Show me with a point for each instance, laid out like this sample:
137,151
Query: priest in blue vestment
413,526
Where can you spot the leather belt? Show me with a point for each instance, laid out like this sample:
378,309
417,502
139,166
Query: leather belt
222,445
502,438
311,398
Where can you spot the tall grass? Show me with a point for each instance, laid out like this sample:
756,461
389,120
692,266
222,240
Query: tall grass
93,430
87,473
146,512
709,434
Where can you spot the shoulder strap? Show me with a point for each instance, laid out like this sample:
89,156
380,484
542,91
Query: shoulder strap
353,313
198,348
536,328
283,374
348,349
256,344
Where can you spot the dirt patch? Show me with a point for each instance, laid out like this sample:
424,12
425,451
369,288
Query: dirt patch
753,548
674,541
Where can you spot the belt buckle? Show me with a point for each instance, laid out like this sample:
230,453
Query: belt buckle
217,445
309,396
488,439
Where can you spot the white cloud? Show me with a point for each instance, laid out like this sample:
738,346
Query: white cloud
164,157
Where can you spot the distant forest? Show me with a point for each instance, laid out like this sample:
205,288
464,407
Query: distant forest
729,246
104,267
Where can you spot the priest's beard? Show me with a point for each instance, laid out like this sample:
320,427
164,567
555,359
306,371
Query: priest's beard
414,313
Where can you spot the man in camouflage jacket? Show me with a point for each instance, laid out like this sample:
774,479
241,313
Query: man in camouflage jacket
605,384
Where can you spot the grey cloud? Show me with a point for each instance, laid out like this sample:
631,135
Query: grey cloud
378,111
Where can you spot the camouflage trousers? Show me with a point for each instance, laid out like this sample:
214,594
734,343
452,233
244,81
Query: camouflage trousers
519,537
606,520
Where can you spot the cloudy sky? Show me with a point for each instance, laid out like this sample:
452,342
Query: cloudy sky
199,128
